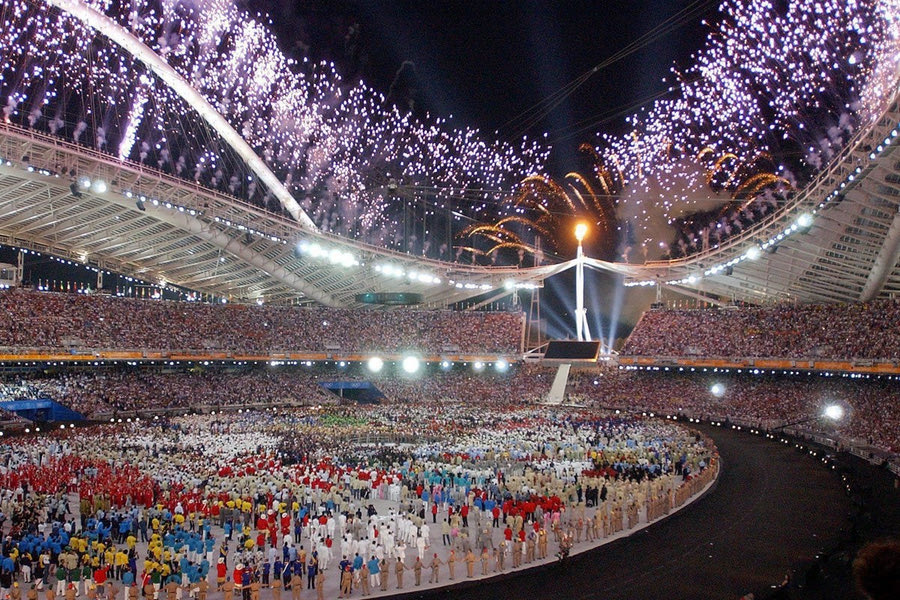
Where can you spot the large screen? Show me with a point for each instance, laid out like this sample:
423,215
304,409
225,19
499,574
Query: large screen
390,298
569,350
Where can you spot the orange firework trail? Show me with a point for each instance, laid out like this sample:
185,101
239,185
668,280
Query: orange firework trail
545,208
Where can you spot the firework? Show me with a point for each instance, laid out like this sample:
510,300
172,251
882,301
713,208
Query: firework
770,75
334,144
773,79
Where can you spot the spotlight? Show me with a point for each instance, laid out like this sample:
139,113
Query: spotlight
717,390
805,221
410,364
834,412
140,205
99,186
375,364
73,187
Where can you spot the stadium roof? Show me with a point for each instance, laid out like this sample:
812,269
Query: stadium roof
836,240
71,201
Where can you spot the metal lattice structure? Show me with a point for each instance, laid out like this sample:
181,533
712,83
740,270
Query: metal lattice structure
837,240
162,229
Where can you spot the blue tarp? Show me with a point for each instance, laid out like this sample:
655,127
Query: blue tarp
359,391
41,409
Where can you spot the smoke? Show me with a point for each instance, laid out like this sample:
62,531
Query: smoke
80,128
650,208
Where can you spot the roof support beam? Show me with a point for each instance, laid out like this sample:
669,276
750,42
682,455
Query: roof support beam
884,262
217,238
693,294
131,44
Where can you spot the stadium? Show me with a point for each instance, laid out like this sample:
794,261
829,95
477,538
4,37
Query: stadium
266,331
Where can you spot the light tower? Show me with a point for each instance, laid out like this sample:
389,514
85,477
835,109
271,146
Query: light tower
581,324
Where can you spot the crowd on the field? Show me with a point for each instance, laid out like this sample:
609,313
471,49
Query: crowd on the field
839,331
48,320
232,503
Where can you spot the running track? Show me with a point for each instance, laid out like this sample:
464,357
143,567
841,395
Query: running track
772,507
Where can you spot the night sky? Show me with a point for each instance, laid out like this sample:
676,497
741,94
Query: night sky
486,62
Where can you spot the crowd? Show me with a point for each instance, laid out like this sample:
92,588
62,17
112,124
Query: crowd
59,321
294,500
14,389
871,405
48,320
838,331
102,392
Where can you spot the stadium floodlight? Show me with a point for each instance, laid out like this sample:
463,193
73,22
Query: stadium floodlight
834,412
99,186
753,252
717,390
805,221
478,365
375,364
446,365
411,364
501,365
84,182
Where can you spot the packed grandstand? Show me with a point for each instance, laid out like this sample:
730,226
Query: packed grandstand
232,470
180,355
